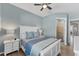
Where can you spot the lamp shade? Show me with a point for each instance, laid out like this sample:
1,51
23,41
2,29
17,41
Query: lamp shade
10,31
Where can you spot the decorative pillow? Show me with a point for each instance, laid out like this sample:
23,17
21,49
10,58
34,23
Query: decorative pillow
23,36
36,35
29,35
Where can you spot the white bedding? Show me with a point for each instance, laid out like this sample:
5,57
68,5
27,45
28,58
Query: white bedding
36,48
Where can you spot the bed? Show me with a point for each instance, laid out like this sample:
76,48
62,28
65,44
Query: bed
40,46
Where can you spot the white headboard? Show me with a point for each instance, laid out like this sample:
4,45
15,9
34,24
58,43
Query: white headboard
24,29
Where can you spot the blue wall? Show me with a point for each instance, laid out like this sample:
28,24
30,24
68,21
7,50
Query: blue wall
30,19
49,25
12,16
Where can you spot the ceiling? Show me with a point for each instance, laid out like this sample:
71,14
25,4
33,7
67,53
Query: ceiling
70,8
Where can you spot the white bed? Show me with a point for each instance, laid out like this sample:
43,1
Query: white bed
50,50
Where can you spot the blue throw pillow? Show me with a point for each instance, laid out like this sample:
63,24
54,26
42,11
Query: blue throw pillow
30,35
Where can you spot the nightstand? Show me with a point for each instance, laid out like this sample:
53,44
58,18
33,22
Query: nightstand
11,46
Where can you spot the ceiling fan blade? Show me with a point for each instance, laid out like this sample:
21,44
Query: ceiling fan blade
49,7
41,9
49,3
37,4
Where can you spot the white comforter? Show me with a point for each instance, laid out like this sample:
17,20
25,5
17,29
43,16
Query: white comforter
36,48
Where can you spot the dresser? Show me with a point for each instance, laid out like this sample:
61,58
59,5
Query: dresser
11,46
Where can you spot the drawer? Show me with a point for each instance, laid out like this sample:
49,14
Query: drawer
11,46
15,48
8,50
8,45
16,44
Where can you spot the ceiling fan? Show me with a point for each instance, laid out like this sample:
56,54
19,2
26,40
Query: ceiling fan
44,5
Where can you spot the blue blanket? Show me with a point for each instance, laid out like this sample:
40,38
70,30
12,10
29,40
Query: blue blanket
28,45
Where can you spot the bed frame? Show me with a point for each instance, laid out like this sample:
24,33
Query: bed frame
51,50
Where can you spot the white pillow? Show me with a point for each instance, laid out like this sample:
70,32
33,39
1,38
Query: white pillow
36,34
23,35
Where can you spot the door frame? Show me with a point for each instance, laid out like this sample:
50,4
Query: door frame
65,29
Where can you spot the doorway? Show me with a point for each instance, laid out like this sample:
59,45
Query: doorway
60,30
74,31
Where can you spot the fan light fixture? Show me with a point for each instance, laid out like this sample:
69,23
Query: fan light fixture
44,6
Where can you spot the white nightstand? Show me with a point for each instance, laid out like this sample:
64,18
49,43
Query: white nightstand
11,46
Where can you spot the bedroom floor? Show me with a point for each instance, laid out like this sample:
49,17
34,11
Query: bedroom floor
16,53
65,51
